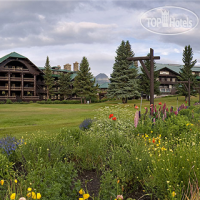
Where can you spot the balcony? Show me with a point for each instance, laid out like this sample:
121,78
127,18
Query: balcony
3,87
3,78
7,97
15,70
30,98
15,78
16,88
165,90
28,88
29,79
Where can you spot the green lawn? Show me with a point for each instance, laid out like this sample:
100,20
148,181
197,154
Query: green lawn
25,119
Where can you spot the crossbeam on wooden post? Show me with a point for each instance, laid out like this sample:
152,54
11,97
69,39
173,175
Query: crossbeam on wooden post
149,74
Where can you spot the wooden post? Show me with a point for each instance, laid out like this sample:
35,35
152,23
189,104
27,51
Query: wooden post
34,85
22,85
189,92
149,74
151,77
9,83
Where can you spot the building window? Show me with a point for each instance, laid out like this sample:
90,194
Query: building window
170,86
162,79
173,79
193,73
164,72
168,79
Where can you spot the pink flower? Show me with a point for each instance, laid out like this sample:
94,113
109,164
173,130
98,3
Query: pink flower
120,197
136,107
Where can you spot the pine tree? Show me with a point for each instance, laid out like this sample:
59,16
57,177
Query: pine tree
186,73
84,82
65,85
145,81
123,83
48,79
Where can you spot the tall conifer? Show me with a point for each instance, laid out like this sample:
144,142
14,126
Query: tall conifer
65,85
123,83
186,73
48,79
84,82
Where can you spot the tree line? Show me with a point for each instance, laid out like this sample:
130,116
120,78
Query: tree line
125,82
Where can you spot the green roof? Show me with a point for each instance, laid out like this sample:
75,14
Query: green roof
174,67
73,76
12,55
104,85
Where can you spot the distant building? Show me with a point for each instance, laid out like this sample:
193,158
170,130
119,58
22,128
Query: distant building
168,76
102,80
20,79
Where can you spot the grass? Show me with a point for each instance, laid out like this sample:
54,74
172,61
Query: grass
25,119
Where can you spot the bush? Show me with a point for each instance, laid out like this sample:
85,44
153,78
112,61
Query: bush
8,101
86,124
2,102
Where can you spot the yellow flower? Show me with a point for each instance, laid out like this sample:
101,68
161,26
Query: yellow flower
151,131
29,189
15,180
173,194
81,191
118,181
25,143
29,194
86,196
80,198
12,196
33,195
2,182
38,196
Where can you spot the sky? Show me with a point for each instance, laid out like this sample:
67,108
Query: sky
68,30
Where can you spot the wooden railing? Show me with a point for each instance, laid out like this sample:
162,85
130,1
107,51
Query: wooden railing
3,78
8,97
16,70
31,97
29,79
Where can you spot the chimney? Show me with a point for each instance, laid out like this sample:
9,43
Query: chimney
67,67
59,67
136,63
76,66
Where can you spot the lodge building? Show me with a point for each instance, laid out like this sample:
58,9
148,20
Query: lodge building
21,80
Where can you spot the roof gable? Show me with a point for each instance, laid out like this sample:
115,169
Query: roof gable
11,55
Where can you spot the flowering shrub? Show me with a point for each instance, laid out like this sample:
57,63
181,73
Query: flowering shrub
86,124
9,144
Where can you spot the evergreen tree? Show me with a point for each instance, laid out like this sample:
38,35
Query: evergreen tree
48,79
65,85
84,82
123,83
145,81
186,73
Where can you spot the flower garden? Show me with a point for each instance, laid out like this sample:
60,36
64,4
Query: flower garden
153,154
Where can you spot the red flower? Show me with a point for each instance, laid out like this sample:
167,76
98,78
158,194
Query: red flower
110,116
114,118
185,101
153,140
151,105
160,103
136,107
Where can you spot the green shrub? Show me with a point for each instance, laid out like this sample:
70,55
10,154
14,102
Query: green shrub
8,101
2,102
